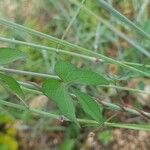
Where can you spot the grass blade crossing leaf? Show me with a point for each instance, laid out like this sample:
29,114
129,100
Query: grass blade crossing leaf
13,85
90,106
8,55
69,73
56,91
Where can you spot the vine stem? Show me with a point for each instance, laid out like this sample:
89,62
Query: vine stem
108,105
21,72
65,43
100,56
124,88
82,121
35,74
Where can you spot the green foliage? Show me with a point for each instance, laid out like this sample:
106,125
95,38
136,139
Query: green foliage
57,92
83,28
69,73
8,55
90,106
12,84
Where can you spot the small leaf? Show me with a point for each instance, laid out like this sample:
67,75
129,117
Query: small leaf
90,106
13,85
69,73
56,91
8,55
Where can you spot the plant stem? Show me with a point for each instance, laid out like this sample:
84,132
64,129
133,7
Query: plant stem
57,78
124,88
136,64
65,43
84,121
17,106
35,74
100,56
51,49
123,108
107,105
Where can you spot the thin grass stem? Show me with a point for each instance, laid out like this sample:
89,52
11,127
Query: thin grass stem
99,56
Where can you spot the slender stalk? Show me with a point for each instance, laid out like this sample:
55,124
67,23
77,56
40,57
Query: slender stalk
35,74
100,56
57,78
30,86
41,47
17,106
131,110
136,64
33,91
65,43
67,29
83,121
108,105
129,126
124,88
72,21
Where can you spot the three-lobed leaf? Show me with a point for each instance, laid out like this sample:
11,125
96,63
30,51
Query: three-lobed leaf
90,106
56,91
8,55
13,85
69,73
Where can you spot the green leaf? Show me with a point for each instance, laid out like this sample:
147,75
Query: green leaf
55,90
8,55
90,106
13,85
69,73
